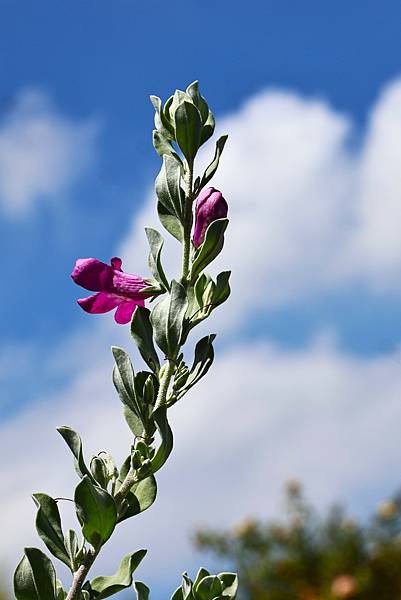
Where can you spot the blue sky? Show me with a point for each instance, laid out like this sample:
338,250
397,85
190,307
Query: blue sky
310,94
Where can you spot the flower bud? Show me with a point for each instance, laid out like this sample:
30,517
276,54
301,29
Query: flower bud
210,206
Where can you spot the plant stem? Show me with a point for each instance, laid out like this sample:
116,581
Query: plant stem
80,575
186,251
131,477
165,382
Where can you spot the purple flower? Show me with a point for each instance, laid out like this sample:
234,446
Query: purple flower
210,206
115,289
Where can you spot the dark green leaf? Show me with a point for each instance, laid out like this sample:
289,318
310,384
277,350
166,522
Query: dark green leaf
208,588
212,168
35,577
106,586
72,548
229,583
222,290
202,573
60,593
142,590
99,471
211,247
198,100
186,587
141,497
203,360
170,222
48,526
74,442
123,379
167,319
188,128
96,511
177,594
207,129
166,437
156,244
142,334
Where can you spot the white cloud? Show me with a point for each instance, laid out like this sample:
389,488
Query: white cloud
264,414
310,210
42,152
304,219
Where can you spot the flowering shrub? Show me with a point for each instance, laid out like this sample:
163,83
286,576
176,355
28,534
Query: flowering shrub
106,495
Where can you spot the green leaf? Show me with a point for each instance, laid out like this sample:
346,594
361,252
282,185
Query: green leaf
198,100
48,526
178,595
141,497
99,471
208,128
166,437
60,593
142,590
142,334
161,123
188,128
208,588
123,379
74,442
222,290
35,577
72,548
203,360
200,575
156,244
168,189
229,583
133,421
211,247
212,168
163,146
170,222
106,586
96,511
167,319
186,586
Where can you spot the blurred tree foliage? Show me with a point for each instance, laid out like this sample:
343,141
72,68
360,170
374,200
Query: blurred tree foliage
309,557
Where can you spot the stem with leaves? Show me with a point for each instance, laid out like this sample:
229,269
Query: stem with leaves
107,496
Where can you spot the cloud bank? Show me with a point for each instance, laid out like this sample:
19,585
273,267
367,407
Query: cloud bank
42,152
314,207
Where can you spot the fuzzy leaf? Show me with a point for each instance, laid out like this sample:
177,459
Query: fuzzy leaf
142,590
96,511
212,168
210,248
142,334
74,442
156,244
167,319
170,222
168,189
35,577
105,586
188,129
166,436
48,526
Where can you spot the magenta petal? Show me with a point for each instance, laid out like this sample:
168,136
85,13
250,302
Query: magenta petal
99,303
125,311
92,274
